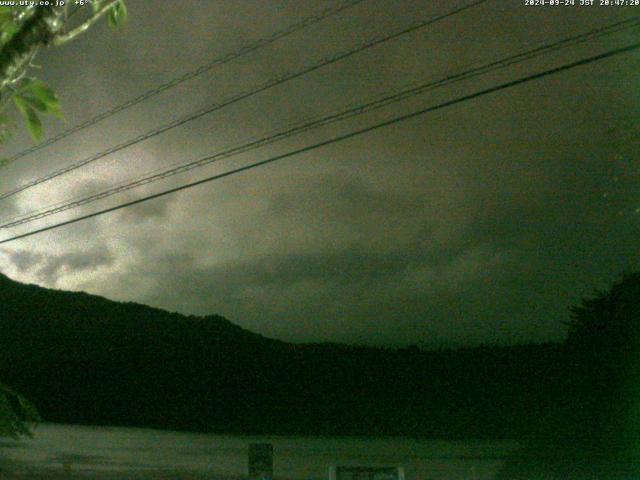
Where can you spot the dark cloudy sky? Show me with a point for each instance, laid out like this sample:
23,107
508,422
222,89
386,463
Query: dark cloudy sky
482,222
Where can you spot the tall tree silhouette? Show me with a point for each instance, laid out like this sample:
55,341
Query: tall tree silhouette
604,343
594,430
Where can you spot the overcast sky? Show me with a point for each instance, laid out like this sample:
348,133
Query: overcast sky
482,222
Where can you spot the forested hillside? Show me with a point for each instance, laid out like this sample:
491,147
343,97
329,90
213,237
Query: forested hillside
85,359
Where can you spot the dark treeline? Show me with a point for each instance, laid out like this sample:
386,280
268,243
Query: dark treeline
594,431
84,359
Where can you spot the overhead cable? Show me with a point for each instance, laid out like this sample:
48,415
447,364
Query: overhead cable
339,138
236,98
326,120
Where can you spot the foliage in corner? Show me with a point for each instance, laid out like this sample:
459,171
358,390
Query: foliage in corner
17,414
117,14
24,30
33,98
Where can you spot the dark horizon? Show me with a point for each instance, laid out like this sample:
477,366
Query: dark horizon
131,365
215,316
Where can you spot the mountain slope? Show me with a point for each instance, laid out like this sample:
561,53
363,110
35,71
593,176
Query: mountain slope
85,359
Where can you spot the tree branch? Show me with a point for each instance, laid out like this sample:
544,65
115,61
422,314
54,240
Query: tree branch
36,31
64,38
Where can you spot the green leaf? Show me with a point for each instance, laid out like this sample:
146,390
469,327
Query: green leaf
55,110
40,96
9,422
118,14
6,15
43,92
96,5
40,90
7,31
34,125
21,105
34,102
16,414
29,411
8,27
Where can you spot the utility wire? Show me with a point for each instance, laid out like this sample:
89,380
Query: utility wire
245,50
236,98
339,138
327,119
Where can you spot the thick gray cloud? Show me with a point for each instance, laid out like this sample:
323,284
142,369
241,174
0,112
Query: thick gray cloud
48,269
483,222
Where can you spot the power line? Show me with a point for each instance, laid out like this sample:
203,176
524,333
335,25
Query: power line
327,119
236,98
339,138
245,50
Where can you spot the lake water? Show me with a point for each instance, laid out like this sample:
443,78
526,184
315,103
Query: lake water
106,449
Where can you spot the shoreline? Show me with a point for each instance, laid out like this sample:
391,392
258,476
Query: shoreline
51,473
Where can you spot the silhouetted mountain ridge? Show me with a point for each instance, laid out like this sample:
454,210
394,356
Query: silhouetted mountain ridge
77,303
86,359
